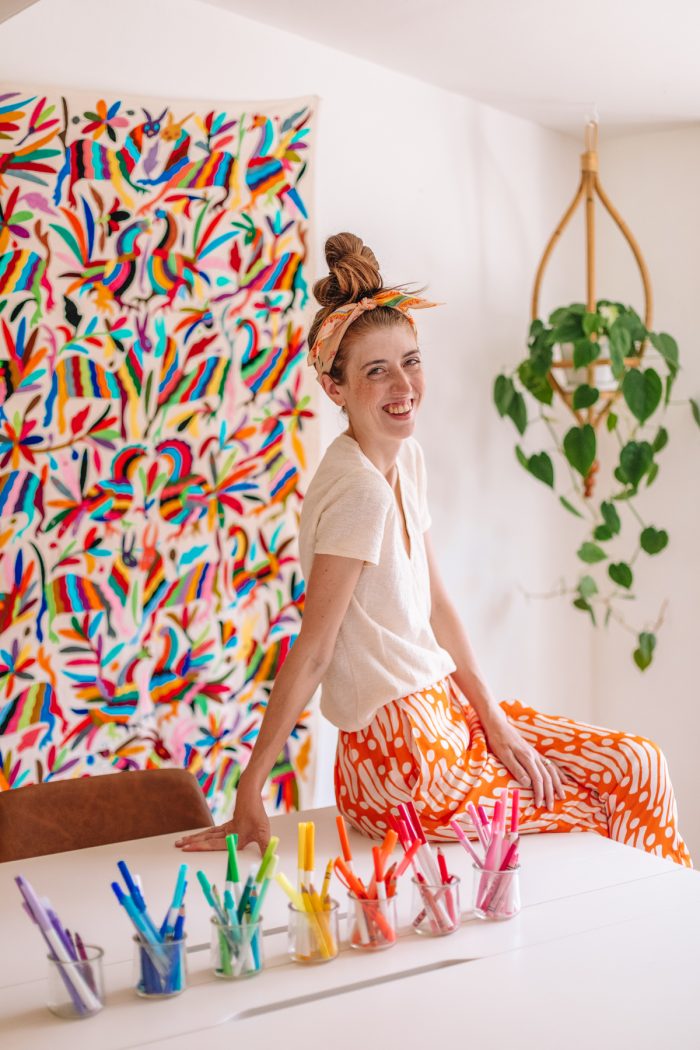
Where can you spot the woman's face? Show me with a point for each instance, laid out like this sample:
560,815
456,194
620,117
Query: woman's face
383,385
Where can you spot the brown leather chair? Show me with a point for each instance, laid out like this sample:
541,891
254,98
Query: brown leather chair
91,811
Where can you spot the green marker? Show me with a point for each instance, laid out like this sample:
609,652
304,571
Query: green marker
232,876
268,857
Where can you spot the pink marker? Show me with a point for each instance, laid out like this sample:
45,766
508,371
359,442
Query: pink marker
478,825
515,812
497,890
466,843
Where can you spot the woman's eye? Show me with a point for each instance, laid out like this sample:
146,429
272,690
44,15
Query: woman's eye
375,371
413,361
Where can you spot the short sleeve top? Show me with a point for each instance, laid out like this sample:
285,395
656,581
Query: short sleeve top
385,648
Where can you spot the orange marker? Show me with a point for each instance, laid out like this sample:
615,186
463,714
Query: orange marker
344,840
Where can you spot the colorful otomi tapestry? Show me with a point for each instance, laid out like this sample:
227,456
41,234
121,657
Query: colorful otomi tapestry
155,432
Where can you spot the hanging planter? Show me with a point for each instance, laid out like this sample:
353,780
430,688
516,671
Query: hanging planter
598,373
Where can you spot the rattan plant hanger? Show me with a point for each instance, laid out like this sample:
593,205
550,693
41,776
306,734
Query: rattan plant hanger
588,189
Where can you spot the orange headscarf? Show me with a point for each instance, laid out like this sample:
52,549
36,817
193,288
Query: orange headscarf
331,332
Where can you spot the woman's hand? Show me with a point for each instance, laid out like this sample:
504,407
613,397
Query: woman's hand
250,822
526,764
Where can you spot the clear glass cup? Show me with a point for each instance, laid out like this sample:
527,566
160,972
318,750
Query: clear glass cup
372,924
312,936
76,989
435,908
236,949
160,970
496,894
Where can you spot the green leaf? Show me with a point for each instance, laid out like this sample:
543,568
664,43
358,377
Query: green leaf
620,345
534,382
621,574
631,320
653,540
570,507
651,476
611,422
576,310
661,439
580,448
602,533
581,603
635,459
503,393
585,352
517,410
668,348
669,387
522,458
585,395
540,466
587,587
611,517
592,323
591,553
642,392
644,654
568,329
695,409
541,356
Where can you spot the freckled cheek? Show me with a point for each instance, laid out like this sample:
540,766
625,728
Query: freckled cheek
366,393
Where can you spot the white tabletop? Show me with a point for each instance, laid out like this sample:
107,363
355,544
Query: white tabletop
629,984
573,886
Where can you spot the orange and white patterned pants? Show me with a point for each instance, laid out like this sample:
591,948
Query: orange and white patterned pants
430,747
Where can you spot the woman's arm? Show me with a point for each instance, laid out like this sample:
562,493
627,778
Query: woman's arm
329,590
518,756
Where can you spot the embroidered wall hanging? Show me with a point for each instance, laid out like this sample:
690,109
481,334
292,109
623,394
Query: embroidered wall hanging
155,429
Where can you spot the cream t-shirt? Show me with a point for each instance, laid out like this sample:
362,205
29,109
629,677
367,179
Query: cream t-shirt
386,648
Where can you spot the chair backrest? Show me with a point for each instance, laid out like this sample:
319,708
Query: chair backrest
91,811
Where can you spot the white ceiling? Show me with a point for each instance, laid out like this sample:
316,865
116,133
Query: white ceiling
550,61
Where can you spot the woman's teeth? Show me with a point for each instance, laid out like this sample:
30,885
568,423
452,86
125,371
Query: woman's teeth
400,409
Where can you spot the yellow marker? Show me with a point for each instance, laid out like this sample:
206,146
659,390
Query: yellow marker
314,922
301,854
284,884
322,916
327,881
309,859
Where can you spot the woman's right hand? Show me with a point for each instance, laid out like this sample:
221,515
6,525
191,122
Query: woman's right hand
249,821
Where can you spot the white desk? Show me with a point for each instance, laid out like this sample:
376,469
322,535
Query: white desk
582,896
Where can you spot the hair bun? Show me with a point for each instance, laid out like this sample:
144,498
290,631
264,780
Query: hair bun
354,271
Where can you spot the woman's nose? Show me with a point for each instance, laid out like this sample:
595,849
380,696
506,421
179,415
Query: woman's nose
400,382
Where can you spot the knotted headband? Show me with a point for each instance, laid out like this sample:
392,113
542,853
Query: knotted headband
331,332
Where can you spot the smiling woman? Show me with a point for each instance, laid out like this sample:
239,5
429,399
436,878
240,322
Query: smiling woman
400,681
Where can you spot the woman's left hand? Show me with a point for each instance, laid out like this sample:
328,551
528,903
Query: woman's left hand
526,764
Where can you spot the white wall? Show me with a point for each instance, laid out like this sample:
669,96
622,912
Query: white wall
449,193
652,179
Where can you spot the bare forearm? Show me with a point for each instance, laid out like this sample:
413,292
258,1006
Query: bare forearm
294,686
451,635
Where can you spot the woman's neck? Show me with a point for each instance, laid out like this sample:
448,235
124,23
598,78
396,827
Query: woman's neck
382,454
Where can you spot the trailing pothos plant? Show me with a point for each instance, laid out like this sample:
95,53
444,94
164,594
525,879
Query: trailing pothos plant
642,367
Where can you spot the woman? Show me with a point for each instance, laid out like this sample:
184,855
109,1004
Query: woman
400,681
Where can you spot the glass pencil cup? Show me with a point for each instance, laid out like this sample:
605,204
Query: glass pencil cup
371,923
435,908
496,894
76,989
160,970
312,936
236,949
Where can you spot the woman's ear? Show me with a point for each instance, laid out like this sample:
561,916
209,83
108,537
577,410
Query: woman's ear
334,392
